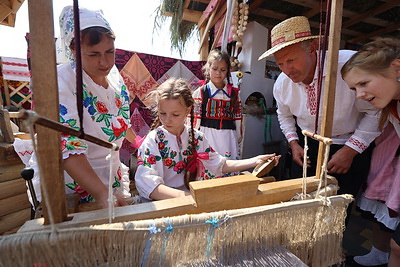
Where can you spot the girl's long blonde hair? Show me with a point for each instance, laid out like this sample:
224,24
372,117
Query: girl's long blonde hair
177,89
376,57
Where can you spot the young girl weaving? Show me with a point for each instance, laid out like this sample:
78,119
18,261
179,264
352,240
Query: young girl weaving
174,154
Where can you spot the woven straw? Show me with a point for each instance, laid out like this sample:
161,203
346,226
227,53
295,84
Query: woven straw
288,32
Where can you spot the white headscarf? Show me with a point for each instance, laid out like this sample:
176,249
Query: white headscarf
87,18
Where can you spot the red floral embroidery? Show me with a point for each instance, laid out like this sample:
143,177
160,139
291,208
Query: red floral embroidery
151,159
101,107
118,103
63,144
179,166
168,162
161,145
122,129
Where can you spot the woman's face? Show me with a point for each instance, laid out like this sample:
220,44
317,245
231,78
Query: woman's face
374,88
97,60
172,114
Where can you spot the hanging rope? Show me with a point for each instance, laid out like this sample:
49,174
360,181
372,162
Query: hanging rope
78,70
322,47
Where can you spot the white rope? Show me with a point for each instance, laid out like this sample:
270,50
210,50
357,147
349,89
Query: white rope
304,180
31,119
324,170
111,198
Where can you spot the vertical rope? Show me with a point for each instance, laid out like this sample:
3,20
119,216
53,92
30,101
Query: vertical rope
78,70
324,171
304,180
322,47
111,198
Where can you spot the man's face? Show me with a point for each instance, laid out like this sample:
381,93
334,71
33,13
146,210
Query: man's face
297,62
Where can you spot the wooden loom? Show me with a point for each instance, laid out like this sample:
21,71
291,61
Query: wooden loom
238,217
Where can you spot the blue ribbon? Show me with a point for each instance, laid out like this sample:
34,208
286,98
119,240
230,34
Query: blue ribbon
167,231
214,223
153,230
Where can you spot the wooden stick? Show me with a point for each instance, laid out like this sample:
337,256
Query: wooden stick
44,78
219,33
330,80
25,114
325,140
207,29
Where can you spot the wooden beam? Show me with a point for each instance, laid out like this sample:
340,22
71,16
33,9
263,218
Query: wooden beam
371,13
44,77
269,13
330,79
6,134
186,4
233,193
191,15
255,5
346,13
382,31
219,33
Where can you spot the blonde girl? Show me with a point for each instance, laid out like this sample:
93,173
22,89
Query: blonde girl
173,154
217,109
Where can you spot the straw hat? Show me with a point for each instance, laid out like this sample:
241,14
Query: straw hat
288,32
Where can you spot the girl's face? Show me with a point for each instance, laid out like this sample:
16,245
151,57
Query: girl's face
377,89
218,72
172,114
97,60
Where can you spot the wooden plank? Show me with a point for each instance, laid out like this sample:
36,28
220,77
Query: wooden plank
5,10
191,15
7,154
12,188
224,189
5,126
380,9
44,77
392,27
269,193
14,203
219,33
14,220
11,172
330,79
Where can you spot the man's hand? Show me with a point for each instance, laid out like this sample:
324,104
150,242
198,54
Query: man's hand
298,153
341,161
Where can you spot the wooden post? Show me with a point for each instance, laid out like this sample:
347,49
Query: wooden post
330,80
45,88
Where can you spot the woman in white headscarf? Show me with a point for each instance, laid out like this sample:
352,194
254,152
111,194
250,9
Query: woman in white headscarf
105,109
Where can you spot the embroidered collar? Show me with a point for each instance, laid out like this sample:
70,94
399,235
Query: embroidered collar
213,90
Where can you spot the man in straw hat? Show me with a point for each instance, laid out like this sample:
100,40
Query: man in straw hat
355,122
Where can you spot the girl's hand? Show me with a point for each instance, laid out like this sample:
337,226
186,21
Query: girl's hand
262,158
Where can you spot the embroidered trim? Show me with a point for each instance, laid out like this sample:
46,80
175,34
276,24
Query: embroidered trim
357,143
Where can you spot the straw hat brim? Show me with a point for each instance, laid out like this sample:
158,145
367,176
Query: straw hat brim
285,44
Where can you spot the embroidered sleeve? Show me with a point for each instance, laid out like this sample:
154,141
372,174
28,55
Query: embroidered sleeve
367,128
149,173
215,162
69,117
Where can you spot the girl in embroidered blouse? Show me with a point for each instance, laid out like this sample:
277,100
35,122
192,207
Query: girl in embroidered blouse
374,72
105,109
174,154
217,107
